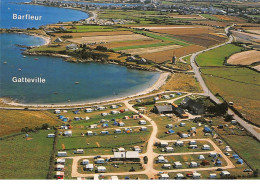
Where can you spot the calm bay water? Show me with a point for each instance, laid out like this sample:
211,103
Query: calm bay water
97,81
49,14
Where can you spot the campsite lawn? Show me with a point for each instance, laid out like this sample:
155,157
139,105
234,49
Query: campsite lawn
239,85
67,169
103,144
12,121
186,159
216,57
26,159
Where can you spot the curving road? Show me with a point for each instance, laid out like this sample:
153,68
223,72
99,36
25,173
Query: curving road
197,72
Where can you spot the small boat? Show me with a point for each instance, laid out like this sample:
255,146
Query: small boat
5,62
24,56
20,69
76,82
35,58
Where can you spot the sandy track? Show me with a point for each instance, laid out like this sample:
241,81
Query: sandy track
245,58
98,39
140,51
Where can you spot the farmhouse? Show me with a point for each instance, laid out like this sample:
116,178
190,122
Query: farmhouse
89,167
196,107
85,162
62,154
177,165
126,156
163,109
142,122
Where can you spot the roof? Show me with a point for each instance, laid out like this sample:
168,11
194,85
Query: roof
101,168
128,154
177,163
164,108
164,176
179,175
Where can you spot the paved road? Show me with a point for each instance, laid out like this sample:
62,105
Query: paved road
196,69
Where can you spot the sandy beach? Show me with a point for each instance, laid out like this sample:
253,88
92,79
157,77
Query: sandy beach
156,86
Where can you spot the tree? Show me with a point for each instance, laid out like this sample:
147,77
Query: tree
145,160
45,126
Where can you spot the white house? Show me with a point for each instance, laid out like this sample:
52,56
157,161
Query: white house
164,144
201,157
89,167
51,135
196,175
177,165
166,166
205,147
101,169
182,124
193,164
85,162
179,176
212,176
88,110
62,154
161,159
100,161
89,133
179,143
143,128
142,122
168,149
164,177
61,161
192,142
117,131
137,148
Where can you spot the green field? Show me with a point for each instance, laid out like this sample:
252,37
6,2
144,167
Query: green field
12,121
22,159
92,28
211,17
216,57
239,85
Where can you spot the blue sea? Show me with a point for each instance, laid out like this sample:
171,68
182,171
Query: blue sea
97,82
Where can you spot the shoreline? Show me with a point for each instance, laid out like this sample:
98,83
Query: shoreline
160,82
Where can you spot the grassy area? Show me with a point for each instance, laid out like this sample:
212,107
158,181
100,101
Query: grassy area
182,82
12,121
47,49
142,46
91,28
67,169
216,57
211,17
239,85
161,37
26,159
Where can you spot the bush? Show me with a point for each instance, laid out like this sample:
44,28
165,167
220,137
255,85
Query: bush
145,160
